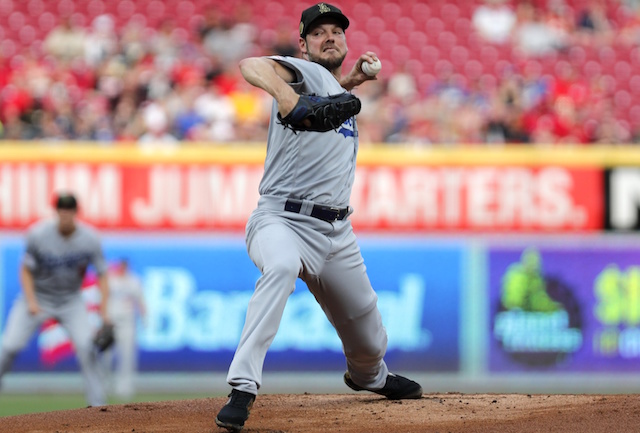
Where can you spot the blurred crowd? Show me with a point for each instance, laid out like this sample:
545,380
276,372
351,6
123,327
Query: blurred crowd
134,85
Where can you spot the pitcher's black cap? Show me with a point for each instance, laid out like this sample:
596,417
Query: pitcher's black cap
66,200
321,10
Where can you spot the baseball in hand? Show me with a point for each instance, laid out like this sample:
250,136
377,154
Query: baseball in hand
371,69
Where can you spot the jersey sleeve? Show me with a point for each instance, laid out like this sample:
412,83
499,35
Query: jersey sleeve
311,77
97,257
29,257
291,63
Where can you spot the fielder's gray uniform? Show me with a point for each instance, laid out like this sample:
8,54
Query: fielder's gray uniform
302,172
126,295
58,265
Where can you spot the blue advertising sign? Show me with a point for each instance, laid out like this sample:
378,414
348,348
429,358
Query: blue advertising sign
197,292
564,309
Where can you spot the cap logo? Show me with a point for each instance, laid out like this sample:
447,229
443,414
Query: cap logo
301,27
324,8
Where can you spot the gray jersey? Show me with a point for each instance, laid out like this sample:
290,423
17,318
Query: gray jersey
316,166
59,263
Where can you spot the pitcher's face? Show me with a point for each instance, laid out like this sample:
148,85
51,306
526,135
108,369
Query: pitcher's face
325,44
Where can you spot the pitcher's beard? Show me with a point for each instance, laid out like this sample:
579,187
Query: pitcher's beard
329,64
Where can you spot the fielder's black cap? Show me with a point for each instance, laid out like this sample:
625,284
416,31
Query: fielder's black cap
66,200
321,10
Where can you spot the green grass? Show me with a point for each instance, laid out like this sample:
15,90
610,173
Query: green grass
17,404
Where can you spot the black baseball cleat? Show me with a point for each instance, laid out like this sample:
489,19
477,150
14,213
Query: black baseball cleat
233,415
396,388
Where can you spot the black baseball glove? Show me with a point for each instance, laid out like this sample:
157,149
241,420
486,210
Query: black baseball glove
104,338
321,113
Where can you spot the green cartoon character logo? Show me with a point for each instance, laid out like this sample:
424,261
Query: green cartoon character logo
538,321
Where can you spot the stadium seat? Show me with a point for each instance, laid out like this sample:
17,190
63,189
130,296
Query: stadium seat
429,55
473,69
363,11
622,71
420,12
418,39
449,13
622,99
403,27
446,41
634,115
16,21
391,13
375,25
459,55
433,27
634,86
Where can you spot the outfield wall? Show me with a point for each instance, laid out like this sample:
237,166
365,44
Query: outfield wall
493,266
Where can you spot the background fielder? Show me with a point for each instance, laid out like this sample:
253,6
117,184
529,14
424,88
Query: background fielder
126,304
58,252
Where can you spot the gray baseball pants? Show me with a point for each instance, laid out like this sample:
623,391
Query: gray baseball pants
73,316
326,256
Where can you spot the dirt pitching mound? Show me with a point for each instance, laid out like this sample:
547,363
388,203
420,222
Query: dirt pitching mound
354,413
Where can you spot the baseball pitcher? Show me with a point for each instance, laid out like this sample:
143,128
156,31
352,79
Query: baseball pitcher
301,228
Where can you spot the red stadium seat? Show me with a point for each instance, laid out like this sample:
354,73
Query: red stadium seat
8,48
449,13
418,39
634,115
429,56
634,57
65,8
46,22
388,41
462,27
426,81
473,69
27,35
577,56
622,71
414,67
16,21
363,11
446,41
591,69
459,55
634,86
404,26
420,12
35,8
622,99
391,12
433,27
375,25
607,56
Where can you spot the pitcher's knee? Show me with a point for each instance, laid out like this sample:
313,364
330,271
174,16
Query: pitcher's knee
282,270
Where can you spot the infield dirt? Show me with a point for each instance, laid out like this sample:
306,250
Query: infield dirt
354,413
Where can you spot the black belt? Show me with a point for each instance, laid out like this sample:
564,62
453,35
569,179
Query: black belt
326,213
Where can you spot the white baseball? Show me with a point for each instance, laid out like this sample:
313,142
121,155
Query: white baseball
371,69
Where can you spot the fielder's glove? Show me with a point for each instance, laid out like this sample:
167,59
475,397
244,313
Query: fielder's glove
104,338
321,113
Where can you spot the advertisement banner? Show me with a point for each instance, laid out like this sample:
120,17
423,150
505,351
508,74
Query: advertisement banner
199,197
564,309
197,291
